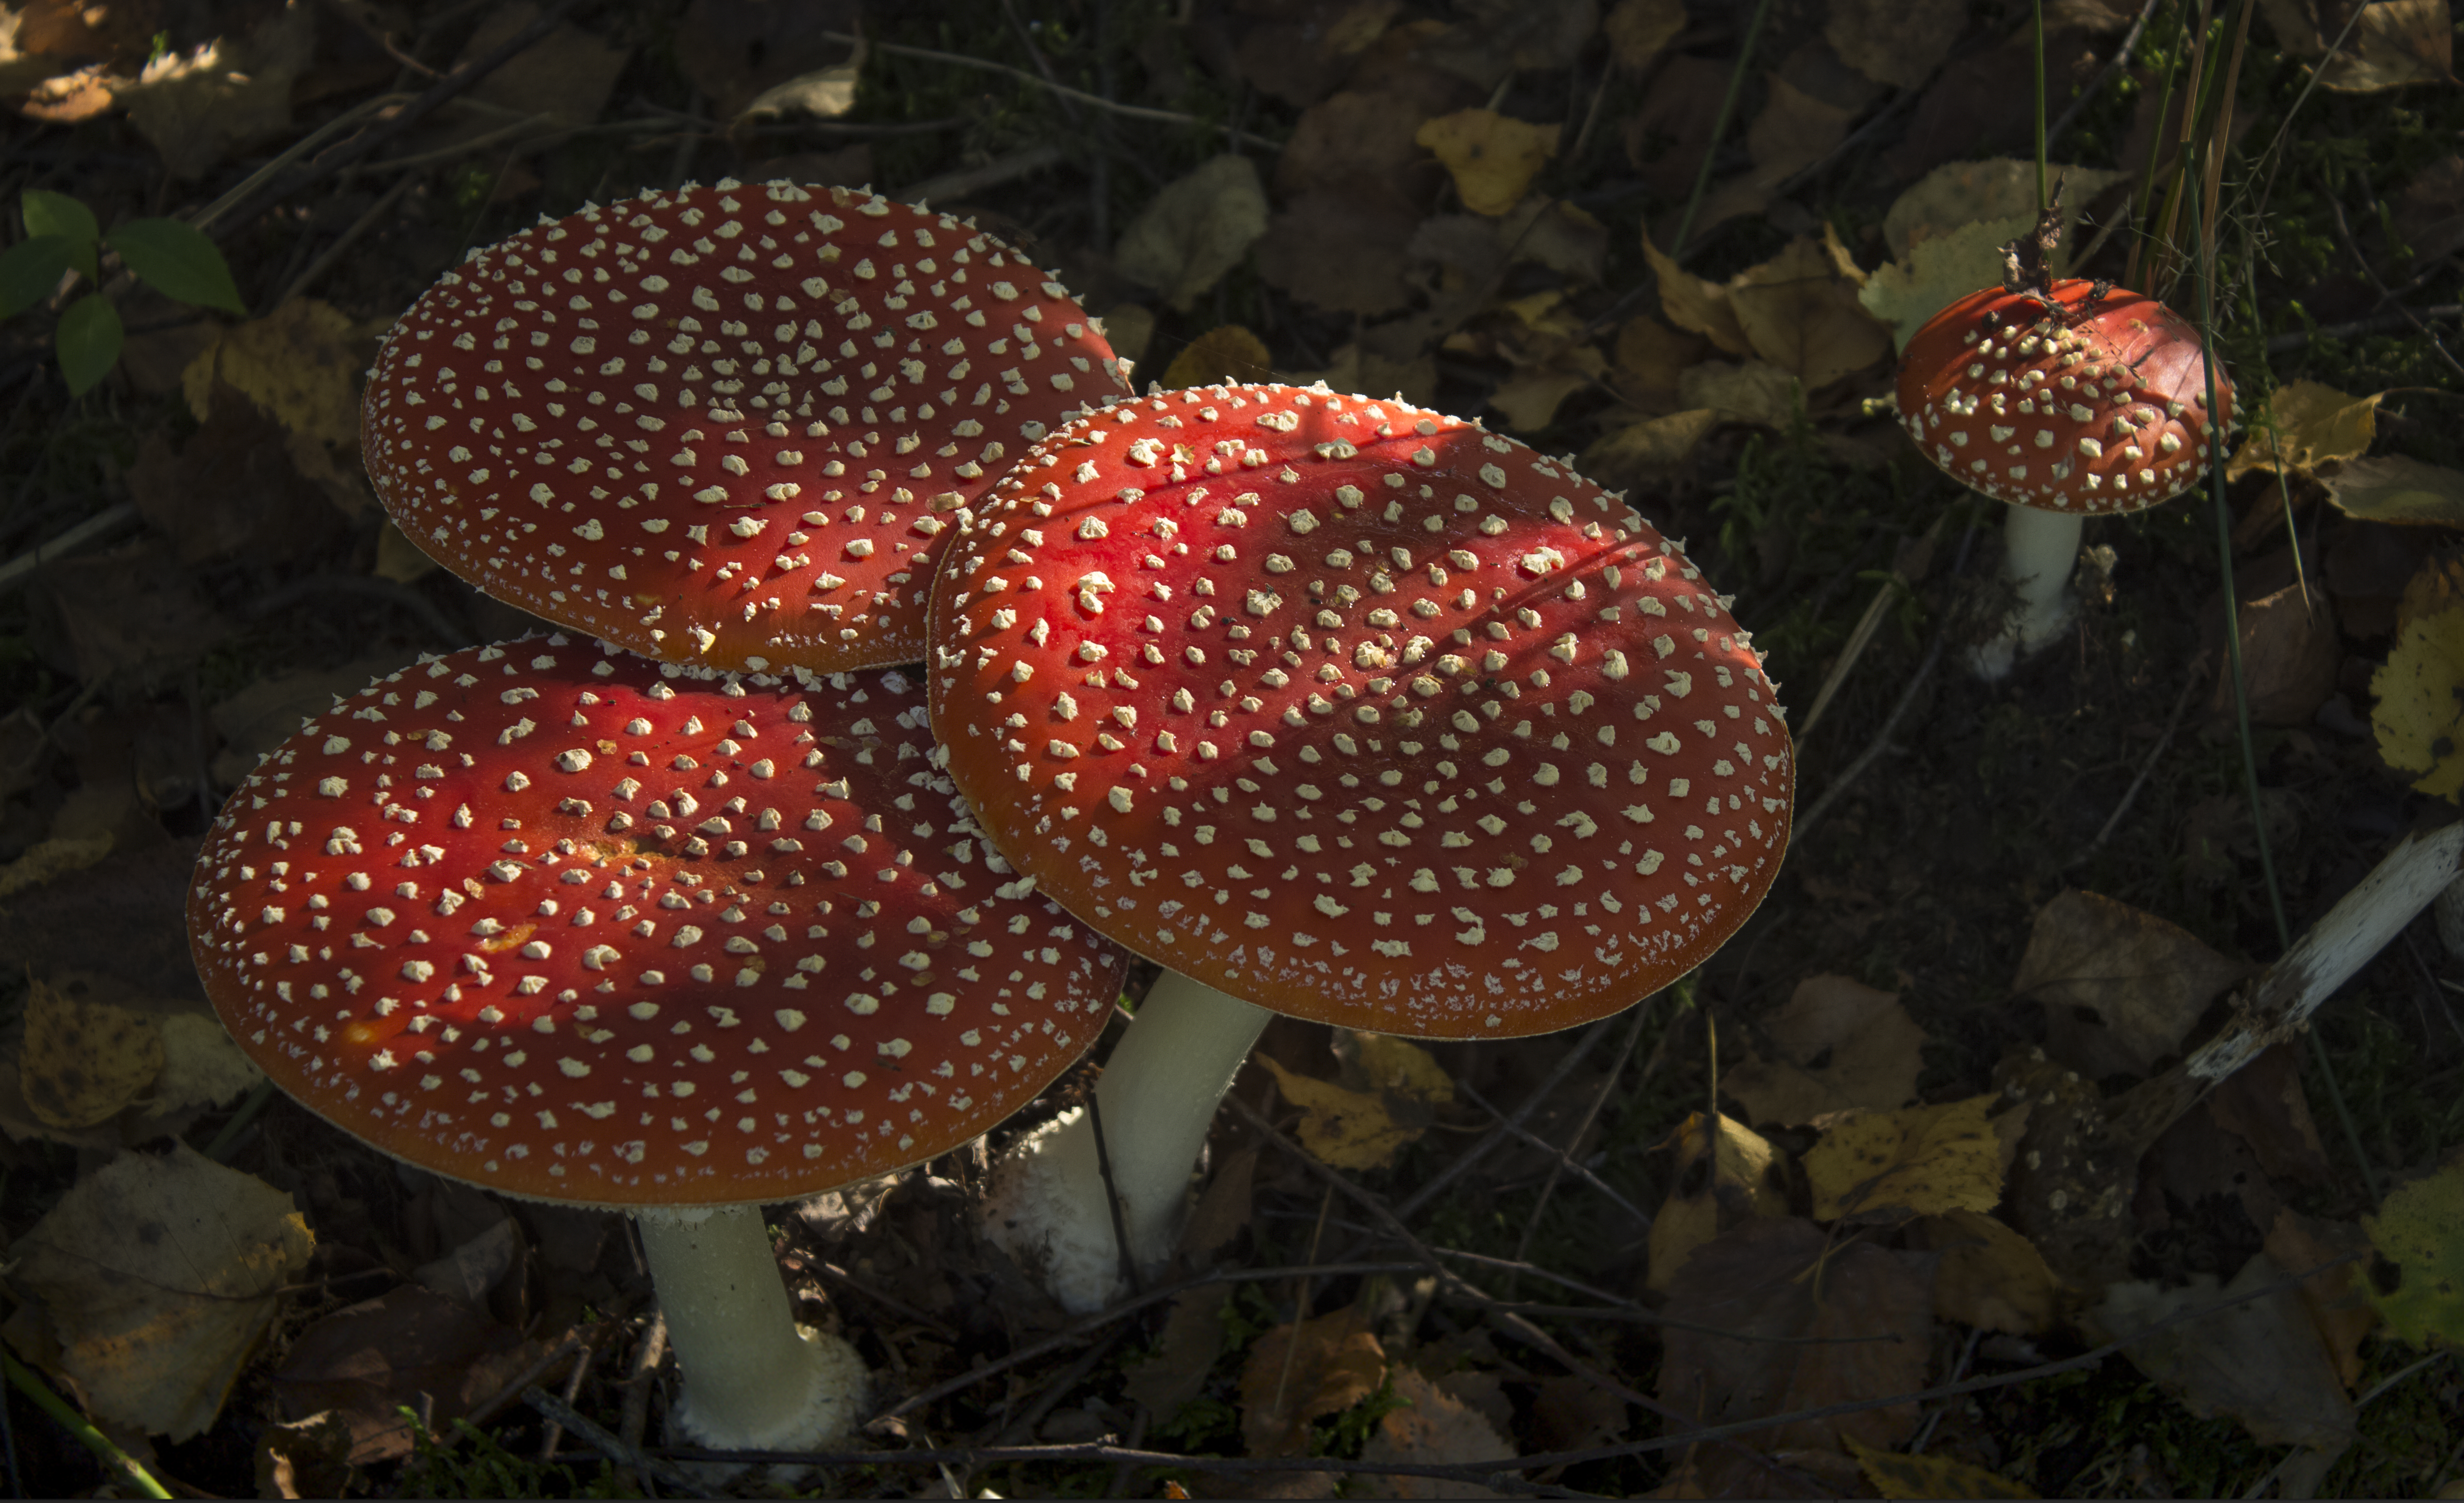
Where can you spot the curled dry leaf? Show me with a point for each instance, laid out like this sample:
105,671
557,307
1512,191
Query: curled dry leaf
2305,425
1383,1106
1695,304
2290,655
158,1274
1839,1044
1199,228
2119,988
1297,1374
1924,1161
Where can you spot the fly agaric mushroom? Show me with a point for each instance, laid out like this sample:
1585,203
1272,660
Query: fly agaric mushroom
723,425
1345,710
2066,402
574,927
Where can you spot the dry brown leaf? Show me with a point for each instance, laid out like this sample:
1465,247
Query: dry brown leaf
1493,158
1997,191
2393,488
1299,1373
2305,425
409,1348
2260,1361
1695,304
1894,1475
1794,130
1801,316
565,75
84,1059
1299,48
2337,1303
2429,211
1227,353
735,50
1665,138
2263,1105
233,490
1341,250
158,1275
1650,358
1752,391
2290,655
1383,1105
1557,234
1924,1161
196,108
1193,1338
1357,136
1852,1322
1989,1277
2119,988
1199,228
202,1063
2391,43
1841,1045
1639,30
1651,447
1528,399
1434,1429
303,364
1898,42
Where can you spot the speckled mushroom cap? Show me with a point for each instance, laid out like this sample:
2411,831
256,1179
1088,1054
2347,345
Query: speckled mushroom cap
726,425
2088,404
542,918
1357,712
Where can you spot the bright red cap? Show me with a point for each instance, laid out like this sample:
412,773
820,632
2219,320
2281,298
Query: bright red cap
1357,712
546,921
724,424
2088,404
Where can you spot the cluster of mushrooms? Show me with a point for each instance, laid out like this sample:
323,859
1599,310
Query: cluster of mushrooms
919,674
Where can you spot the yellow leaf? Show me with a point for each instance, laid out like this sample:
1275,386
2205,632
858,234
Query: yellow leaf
2420,1229
301,364
1345,1128
2394,489
1740,1183
1395,1066
2303,426
1297,1374
1894,1475
1530,398
1639,30
1752,390
1227,353
1655,444
2420,713
1839,1044
1493,158
1695,304
1800,316
1922,1161
84,1059
1989,1277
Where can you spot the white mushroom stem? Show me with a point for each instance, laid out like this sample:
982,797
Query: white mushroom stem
2039,549
1157,1096
753,1378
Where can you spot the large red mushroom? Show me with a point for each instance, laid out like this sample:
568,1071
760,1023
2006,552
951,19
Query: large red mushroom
2069,401
1347,710
726,426
564,925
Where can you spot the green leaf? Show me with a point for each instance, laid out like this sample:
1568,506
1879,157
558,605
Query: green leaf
88,342
57,213
179,261
29,271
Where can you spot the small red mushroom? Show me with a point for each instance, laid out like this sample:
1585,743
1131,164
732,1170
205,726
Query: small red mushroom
1351,711
726,425
567,924
2071,402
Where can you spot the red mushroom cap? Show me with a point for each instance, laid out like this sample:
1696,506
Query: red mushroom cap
723,425
2088,404
543,920
1357,712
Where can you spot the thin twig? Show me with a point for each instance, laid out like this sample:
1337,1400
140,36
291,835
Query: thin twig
1565,1155
510,1394
21,568
1881,742
2278,343
2120,60
2172,723
332,253
599,1437
1113,1198
1541,1093
1563,1158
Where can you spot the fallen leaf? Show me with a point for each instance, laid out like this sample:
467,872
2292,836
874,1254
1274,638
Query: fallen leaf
410,1348
470,1272
1715,1183
1384,1105
1650,359
1921,1162
2119,988
1528,399
1193,1338
302,363
49,860
196,108
1841,1045
1199,228
1557,234
1225,353
1803,317
2394,489
1894,1475
1493,158
1989,1277
1809,1324
2336,1296
1898,42
84,1059
231,490
1653,445
1639,30
1794,130
1224,1209
1354,138
1695,304
2419,714
1341,250
1432,1429
735,51
1752,391
1997,191
1571,1413
158,1275
2259,1361
2391,43
1667,137
1299,48
2420,1229
1297,1375
2305,425
2263,1104
565,75
1934,273
2290,655
2429,218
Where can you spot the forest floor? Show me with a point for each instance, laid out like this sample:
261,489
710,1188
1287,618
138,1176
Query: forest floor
2006,904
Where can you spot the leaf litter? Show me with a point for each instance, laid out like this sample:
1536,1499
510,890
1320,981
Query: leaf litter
1434,224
